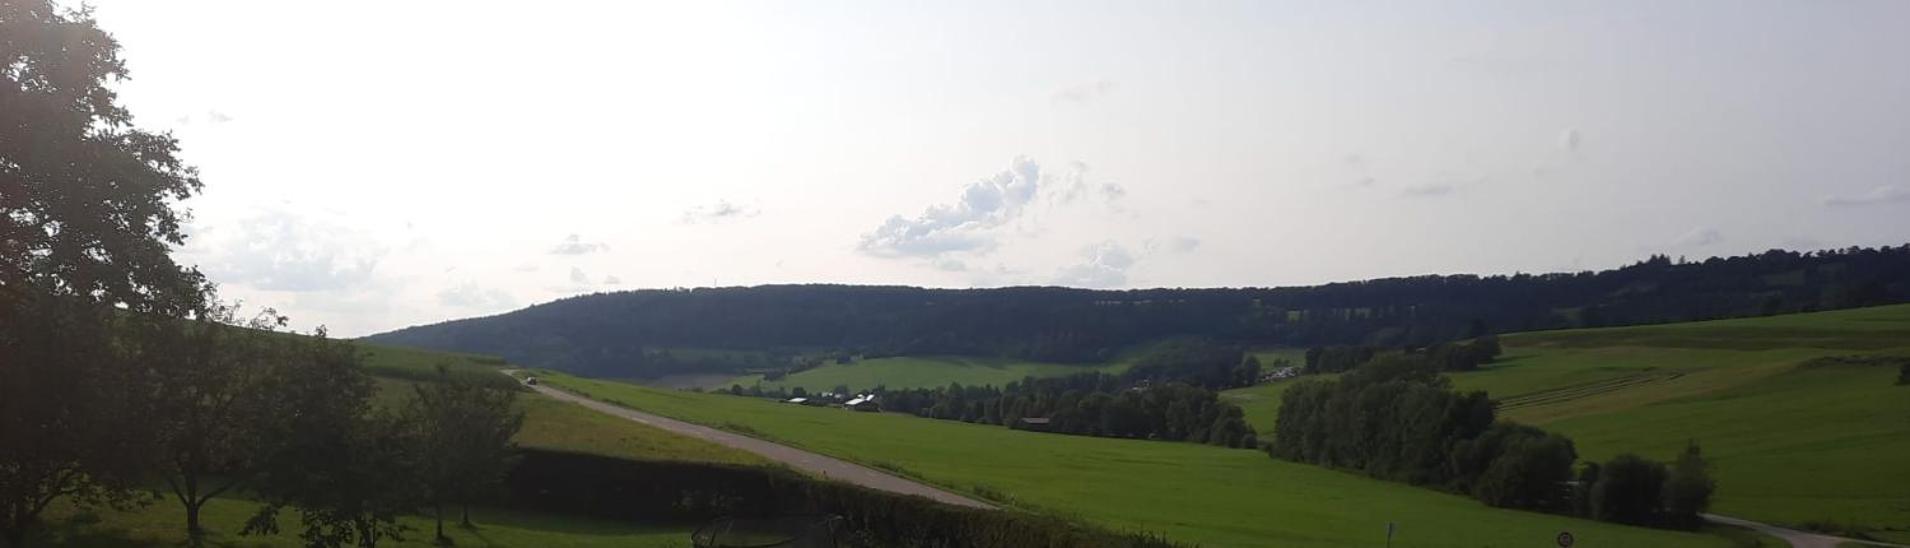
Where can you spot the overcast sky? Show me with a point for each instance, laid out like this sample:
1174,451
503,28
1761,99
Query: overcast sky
373,166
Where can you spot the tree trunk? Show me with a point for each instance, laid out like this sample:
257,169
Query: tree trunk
439,511
195,534
467,515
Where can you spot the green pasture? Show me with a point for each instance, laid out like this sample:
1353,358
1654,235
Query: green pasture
923,372
1192,493
1792,441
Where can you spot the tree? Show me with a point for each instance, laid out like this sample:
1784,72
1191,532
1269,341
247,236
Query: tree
1629,490
86,221
1688,490
348,471
465,439
211,392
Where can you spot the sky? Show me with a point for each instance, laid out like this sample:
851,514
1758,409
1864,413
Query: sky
370,166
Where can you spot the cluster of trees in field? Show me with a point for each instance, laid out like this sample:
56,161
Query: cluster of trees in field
1397,418
1093,404
120,370
1168,394
617,333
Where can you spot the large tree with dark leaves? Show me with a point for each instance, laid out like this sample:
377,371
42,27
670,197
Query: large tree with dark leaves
88,214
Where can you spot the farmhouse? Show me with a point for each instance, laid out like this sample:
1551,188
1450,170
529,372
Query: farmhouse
1038,424
865,402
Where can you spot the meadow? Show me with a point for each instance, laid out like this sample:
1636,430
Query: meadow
1793,439
1191,493
922,372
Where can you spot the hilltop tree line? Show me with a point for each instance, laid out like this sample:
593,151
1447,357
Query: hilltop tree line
620,333
1397,418
121,370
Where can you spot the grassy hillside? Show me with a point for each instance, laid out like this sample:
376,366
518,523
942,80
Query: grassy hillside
924,372
1793,438
1193,493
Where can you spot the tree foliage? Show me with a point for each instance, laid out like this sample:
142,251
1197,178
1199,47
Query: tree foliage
1396,418
213,388
87,217
465,431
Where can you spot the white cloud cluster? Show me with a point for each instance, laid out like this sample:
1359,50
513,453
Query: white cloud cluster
476,298
284,251
718,212
575,245
960,226
1080,94
1700,237
1103,265
1887,194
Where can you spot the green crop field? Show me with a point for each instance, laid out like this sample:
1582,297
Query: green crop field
922,372
1192,493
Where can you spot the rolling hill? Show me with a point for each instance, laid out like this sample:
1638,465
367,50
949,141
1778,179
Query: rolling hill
738,329
1799,414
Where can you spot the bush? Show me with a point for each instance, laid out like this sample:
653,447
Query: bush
1530,470
1688,491
1629,490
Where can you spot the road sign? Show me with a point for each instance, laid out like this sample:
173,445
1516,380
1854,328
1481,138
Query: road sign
1565,539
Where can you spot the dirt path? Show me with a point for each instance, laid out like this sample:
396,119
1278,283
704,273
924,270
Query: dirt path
829,467
1798,539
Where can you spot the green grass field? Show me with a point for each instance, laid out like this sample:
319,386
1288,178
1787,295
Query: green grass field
162,523
1790,443
923,372
1192,493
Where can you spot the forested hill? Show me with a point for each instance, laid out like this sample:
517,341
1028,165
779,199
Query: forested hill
628,333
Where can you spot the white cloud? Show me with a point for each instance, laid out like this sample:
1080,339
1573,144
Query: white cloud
575,245
613,280
950,265
473,297
578,277
215,117
1104,265
1887,194
1428,190
526,267
284,251
718,212
963,225
1698,237
1074,185
1570,139
1183,244
1081,94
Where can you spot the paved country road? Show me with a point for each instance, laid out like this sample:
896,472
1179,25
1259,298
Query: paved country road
829,467
1798,539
